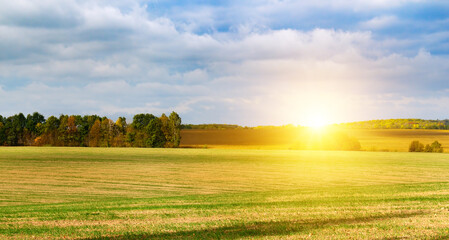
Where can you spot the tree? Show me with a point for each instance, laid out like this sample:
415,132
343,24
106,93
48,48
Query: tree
50,128
2,133
63,137
32,122
82,130
94,134
436,147
118,132
138,131
72,137
140,121
416,146
14,127
166,130
174,123
84,125
121,124
130,137
156,137
106,132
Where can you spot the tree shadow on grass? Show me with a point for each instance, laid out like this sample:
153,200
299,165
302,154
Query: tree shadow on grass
258,229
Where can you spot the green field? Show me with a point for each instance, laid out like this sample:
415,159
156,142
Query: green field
100,193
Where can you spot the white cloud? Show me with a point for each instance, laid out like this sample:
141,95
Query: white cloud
380,22
195,76
116,61
272,91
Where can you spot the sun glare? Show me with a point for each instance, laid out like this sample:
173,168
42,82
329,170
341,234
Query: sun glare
316,123
315,120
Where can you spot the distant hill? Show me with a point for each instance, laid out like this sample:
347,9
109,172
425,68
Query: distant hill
398,124
210,126
410,123
214,126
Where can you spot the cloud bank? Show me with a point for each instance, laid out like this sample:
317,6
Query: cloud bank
261,62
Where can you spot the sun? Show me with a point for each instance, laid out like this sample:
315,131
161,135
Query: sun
315,119
316,122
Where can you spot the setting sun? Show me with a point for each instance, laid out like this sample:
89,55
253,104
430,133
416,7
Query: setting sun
316,122
316,117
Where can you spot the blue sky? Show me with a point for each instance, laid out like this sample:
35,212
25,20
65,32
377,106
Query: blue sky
239,62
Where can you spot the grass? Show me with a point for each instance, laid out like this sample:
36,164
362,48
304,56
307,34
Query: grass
98,193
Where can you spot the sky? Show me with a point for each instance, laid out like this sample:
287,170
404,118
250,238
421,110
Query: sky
265,62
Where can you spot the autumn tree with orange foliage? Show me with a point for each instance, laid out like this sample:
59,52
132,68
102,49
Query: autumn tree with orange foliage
94,134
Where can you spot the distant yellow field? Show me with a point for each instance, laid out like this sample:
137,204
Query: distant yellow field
397,139
285,138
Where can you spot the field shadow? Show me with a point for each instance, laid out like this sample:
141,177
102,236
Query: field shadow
440,237
257,229
436,237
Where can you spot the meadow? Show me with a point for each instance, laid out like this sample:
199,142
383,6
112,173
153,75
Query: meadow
129,193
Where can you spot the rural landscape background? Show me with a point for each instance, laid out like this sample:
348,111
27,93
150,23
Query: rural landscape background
200,119
227,182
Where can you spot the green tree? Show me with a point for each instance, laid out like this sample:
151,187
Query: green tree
130,137
174,123
2,132
106,132
32,122
156,137
14,128
166,130
63,138
85,124
138,130
50,128
140,121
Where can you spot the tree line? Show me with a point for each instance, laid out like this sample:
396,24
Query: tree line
398,124
213,126
416,146
146,130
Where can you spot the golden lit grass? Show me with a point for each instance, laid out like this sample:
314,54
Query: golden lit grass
89,193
